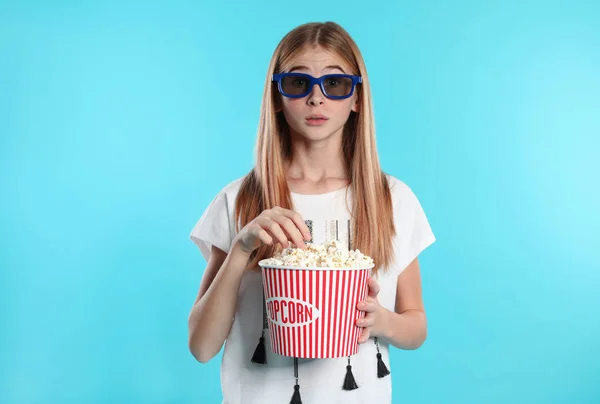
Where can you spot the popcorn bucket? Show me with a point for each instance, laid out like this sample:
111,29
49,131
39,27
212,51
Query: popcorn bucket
312,311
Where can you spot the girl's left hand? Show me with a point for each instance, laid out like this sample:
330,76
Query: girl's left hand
372,323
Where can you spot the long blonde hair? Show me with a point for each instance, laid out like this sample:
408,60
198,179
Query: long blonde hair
266,187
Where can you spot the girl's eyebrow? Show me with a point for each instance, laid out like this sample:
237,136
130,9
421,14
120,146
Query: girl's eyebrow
326,67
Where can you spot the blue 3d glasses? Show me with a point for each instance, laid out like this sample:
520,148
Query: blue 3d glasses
334,86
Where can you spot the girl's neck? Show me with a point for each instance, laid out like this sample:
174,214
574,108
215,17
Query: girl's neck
316,166
316,171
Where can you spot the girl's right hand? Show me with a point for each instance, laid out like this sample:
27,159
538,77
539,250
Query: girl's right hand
277,225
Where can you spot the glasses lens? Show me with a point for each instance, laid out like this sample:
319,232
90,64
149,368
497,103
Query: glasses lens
338,86
295,85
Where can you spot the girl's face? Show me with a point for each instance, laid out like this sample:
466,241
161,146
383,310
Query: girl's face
300,113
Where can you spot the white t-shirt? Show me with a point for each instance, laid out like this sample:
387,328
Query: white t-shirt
320,380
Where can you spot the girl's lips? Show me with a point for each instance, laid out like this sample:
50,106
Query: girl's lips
315,121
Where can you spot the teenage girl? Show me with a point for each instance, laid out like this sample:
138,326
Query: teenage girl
316,177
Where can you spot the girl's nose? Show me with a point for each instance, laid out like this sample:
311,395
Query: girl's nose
316,96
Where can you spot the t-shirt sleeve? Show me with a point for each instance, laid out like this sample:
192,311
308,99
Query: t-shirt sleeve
213,228
413,232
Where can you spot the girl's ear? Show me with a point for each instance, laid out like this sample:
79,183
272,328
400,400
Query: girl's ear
278,107
356,105
276,98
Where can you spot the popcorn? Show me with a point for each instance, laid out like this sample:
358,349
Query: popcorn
328,255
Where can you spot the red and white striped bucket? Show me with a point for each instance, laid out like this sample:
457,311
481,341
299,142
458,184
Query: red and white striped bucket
312,312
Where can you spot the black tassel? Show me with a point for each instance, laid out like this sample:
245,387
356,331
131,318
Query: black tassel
260,353
349,382
382,370
296,396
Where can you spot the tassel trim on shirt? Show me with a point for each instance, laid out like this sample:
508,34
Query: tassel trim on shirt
260,353
296,399
382,370
349,382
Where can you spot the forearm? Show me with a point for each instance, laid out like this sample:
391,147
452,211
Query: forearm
211,317
407,330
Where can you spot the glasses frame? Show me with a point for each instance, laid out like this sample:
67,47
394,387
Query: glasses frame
278,78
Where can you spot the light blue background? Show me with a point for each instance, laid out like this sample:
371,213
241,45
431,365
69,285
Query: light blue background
119,122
